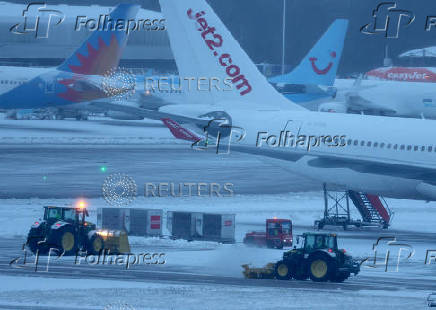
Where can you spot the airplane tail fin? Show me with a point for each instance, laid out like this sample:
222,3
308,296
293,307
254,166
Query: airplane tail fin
102,51
203,47
320,66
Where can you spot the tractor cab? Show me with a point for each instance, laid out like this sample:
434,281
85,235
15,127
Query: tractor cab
314,242
71,215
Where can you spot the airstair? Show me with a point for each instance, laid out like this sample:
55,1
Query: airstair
373,209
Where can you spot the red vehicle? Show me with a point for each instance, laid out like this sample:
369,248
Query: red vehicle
277,235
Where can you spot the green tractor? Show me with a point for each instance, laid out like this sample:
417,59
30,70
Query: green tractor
65,229
318,259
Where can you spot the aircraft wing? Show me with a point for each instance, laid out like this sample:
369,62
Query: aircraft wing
357,103
152,114
393,169
418,172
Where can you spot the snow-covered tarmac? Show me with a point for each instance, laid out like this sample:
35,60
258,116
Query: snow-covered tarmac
62,160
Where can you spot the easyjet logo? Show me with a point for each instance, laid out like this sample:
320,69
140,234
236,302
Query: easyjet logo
324,71
408,76
214,42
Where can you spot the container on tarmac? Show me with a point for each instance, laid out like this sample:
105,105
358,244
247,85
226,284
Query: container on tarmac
136,222
201,226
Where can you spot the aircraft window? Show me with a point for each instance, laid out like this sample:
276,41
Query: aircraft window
369,143
409,147
362,143
356,142
422,148
375,144
430,148
349,142
389,146
402,147
415,148
382,145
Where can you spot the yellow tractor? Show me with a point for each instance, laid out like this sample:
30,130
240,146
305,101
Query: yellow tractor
65,229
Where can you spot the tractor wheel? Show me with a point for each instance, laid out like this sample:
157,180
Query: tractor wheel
37,245
35,241
320,267
339,278
95,245
282,271
66,241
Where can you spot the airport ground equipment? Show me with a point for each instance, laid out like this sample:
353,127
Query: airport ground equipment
318,259
135,221
266,272
65,229
373,209
277,234
201,226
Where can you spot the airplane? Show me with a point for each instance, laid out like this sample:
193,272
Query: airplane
77,81
393,157
386,98
311,82
388,91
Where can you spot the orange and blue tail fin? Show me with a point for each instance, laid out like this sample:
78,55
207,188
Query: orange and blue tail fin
102,51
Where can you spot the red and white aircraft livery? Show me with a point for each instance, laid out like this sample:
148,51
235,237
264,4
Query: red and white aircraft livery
405,74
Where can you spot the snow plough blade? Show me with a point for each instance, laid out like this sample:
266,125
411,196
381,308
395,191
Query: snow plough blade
115,241
266,272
